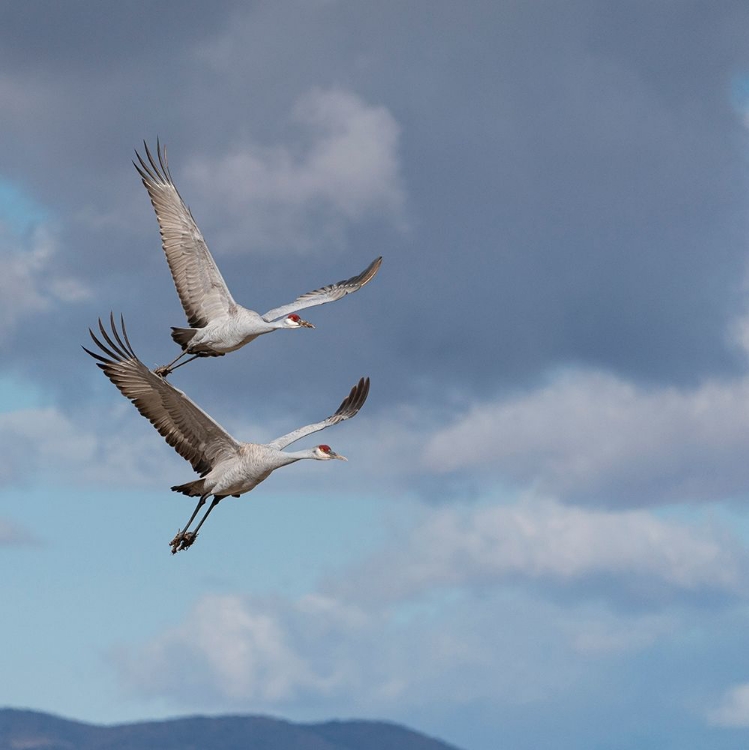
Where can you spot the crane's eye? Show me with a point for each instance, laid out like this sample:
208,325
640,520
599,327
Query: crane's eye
324,448
294,317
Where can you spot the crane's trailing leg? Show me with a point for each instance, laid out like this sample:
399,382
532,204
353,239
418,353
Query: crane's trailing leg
194,356
185,539
191,536
182,536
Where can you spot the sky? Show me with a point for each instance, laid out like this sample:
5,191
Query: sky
541,537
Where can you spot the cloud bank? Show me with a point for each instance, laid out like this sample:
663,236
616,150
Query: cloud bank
592,436
443,601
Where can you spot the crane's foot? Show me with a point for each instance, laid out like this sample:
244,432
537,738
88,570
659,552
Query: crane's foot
182,540
163,371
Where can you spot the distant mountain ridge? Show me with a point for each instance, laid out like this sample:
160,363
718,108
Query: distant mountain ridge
32,730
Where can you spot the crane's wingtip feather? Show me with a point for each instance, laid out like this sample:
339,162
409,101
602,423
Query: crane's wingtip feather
371,270
94,355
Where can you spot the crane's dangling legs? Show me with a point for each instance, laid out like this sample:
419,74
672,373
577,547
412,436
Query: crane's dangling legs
180,536
185,538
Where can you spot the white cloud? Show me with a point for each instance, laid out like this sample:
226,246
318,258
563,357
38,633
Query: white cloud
27,284
591,435
234,652
543,540
733,709
238,649
84,449
345,170
20,273
240,653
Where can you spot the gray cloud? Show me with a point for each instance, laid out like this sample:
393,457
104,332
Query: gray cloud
40,36
576,206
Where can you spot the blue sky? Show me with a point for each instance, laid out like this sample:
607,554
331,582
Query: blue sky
541,537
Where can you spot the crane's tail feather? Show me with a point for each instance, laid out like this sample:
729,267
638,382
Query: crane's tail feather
191,489
183,336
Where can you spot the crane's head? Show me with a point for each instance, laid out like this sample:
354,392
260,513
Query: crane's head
324,453
294,321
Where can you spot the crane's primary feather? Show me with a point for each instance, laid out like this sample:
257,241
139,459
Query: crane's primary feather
185,426
200,285
328,293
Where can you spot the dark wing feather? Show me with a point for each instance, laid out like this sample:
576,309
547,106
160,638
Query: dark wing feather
327,293
186,427
201,288
348,408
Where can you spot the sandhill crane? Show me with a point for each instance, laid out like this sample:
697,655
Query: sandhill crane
217,324
226,466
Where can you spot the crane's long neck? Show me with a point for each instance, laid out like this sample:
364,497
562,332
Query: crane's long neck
289,457
249,320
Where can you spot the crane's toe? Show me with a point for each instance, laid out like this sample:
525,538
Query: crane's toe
187,539
162,371
177,542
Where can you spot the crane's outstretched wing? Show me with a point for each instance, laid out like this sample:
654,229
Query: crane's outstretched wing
327,293
201,288
348,408
186,427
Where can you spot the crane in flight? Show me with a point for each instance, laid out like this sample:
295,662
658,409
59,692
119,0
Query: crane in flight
226,466
217,324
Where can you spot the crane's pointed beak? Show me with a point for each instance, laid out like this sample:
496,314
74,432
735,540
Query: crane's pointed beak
338,455
305,324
